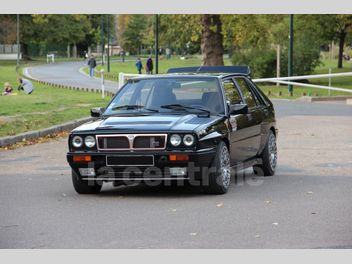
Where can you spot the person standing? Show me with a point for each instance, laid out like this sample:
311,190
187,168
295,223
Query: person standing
139,65
92,64
25,85
149,65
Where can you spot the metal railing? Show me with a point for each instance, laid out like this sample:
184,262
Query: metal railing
289,81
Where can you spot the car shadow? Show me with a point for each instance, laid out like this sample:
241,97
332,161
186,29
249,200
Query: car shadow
176,189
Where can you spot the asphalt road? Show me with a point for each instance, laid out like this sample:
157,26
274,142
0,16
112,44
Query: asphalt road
307,204
68,73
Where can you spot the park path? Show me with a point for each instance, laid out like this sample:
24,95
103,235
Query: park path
68,73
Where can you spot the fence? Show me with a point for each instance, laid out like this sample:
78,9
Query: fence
8,48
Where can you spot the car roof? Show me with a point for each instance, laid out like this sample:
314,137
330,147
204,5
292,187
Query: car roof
189,75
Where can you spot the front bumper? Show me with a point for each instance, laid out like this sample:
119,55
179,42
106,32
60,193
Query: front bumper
198,161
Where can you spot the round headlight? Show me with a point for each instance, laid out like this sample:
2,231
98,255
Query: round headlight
175,140
188,140
89,141
77,141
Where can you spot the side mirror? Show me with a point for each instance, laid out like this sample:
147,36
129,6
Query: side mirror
237,109
97,111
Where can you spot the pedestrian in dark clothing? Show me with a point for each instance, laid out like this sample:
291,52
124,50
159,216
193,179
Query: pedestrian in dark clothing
92,64
139,65
149,66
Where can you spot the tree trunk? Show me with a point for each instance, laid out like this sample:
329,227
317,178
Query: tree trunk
342,38
68,50
74,50
211,43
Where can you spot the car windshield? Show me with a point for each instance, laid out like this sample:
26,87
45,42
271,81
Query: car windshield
172,95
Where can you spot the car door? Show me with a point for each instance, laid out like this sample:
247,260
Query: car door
252,139
238,124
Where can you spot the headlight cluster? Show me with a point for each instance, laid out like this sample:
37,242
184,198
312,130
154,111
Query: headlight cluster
89,141
176,140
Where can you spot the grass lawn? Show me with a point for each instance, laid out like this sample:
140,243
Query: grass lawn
45,107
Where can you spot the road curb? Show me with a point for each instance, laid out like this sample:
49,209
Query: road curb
324,98
5,141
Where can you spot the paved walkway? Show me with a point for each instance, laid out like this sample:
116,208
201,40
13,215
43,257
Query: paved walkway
68,73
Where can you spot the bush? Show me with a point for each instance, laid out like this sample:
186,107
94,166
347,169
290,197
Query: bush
261,61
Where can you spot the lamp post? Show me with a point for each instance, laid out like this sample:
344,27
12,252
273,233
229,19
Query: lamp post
108,41
102,40
18,39
290,54
156,44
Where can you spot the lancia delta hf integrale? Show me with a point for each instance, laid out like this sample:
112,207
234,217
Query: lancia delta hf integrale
192,124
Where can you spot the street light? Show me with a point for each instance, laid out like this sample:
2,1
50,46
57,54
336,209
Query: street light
156,43
18,39
108,40
290,54
102,40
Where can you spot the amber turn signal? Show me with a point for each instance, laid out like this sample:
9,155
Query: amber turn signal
81,158
178,157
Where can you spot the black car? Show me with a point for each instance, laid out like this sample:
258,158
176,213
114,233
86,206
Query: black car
193,124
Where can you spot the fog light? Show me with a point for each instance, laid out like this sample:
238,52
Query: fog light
176,171
87,172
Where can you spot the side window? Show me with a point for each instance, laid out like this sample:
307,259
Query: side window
232,94
247,93
258,93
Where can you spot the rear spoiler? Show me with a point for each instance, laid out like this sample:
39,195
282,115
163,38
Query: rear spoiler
212,69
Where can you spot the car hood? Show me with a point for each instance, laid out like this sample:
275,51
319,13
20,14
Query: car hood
152,123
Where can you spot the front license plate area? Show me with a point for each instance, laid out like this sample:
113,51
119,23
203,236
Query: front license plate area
130,160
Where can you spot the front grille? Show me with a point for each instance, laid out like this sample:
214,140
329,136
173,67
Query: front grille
132,142
113,143
145,142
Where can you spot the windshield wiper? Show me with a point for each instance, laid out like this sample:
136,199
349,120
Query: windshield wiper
127,107
184,107
133,107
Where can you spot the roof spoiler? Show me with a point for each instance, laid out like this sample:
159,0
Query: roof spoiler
212,69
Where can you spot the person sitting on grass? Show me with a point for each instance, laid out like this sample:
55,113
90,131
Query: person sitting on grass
25,85
7,89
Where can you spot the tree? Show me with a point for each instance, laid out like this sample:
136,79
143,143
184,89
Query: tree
255,38
211,42
7,29
134,33
340,26
181,32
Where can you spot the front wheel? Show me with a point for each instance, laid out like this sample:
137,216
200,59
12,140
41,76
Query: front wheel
85,186
219,174
269,158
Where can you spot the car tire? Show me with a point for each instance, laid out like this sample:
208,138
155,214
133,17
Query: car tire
218,181
85,186
269,158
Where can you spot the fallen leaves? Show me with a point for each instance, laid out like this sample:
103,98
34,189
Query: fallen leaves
193,234
25,142
220,205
